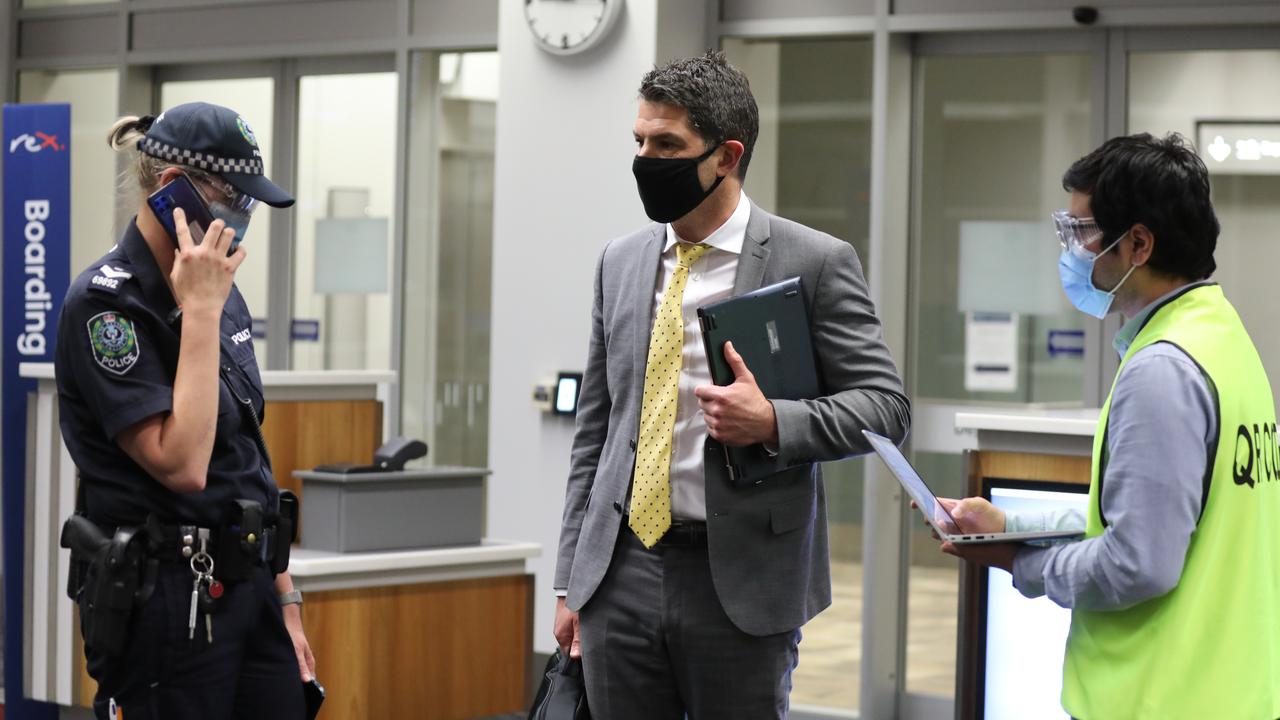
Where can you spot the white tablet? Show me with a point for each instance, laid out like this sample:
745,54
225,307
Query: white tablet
936,515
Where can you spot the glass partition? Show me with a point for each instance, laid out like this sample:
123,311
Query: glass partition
996,134
61,3
1214,98
448,255
343,222
812,164
990,322
254,99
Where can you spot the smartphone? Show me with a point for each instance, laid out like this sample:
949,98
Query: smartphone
314,692
181,193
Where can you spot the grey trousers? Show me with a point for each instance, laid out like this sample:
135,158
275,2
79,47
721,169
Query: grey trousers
657,645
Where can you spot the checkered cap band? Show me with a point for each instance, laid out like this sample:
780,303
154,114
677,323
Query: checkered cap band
202,161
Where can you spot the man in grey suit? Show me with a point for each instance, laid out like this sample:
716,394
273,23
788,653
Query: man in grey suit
682,592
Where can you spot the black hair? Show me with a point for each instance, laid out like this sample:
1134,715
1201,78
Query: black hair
1160,183
716,95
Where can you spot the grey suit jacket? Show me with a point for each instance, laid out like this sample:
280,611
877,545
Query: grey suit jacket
768,542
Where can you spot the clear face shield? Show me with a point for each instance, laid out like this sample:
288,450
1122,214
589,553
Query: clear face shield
1075,234
1075,265
227,204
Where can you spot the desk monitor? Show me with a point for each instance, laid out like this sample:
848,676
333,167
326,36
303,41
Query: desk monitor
1021,642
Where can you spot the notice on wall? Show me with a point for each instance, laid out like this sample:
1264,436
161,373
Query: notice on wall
990,352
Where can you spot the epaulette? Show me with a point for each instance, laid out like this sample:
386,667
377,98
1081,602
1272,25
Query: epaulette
108,279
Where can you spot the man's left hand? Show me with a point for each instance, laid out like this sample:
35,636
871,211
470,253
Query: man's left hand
301,648
738,414
997,555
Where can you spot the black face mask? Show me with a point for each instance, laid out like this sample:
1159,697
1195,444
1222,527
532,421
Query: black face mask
669,187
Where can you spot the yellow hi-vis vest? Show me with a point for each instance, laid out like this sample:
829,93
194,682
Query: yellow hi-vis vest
1209,649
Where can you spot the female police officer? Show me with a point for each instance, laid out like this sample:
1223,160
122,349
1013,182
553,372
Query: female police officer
160,399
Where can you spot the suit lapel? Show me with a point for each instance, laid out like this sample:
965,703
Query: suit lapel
755,253
645,279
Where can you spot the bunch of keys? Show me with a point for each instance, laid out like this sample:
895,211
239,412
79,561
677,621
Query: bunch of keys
205,591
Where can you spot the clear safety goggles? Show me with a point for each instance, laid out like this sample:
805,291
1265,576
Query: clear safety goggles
1075,233
232,198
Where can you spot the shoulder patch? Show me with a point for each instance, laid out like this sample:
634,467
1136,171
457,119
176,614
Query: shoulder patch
108,279
113,341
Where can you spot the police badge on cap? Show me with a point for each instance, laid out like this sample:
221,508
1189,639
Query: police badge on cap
217,140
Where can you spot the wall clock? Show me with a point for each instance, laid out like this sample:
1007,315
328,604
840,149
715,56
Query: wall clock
566,27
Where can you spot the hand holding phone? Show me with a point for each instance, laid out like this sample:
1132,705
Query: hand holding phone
314,693
203,274
181,194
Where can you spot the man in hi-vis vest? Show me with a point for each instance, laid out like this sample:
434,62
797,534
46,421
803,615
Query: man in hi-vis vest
1175,588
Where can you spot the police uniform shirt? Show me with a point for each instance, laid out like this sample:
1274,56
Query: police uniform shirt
116,360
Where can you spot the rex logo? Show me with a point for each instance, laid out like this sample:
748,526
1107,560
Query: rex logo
35,143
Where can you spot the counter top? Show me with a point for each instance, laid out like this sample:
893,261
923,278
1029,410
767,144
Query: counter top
318,570
36,371
1081,421
1042,431
321,378
442,472
270,378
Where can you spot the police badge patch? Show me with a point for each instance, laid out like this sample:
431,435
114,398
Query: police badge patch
114,342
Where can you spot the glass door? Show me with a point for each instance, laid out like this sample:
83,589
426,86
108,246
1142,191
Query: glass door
253,96
996,122
1218,99
449,255
812,164
342,274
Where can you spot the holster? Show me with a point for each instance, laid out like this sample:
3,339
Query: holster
241,541
109,578
285,532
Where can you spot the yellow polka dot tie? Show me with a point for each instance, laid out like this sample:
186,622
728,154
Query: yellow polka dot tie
650,511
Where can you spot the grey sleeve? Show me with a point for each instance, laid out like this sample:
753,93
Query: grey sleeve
865,391
1163,420
594,404
1044,522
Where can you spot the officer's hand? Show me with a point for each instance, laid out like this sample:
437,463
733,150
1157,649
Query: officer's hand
202,274
301,648
738,414
566,630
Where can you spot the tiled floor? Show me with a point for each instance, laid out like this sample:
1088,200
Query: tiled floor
830,653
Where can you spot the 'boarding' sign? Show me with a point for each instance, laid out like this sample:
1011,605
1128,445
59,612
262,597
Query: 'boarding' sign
37,247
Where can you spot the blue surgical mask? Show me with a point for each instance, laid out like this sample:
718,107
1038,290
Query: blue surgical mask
1075,268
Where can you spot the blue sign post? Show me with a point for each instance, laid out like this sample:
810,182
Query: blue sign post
37,260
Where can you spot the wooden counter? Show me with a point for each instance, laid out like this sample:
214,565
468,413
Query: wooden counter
1034,447
442,633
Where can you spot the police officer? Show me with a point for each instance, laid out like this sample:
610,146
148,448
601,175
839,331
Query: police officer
160,404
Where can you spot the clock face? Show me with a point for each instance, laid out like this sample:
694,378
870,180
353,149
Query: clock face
564,27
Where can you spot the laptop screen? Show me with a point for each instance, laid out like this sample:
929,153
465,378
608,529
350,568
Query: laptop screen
910,480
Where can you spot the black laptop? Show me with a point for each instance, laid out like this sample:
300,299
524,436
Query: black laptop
770,330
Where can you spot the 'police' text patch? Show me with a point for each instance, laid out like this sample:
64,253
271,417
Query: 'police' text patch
114,342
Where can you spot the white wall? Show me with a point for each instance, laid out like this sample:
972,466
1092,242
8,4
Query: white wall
92,94
563,188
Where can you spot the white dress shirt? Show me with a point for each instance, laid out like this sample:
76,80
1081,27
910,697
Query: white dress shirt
711,278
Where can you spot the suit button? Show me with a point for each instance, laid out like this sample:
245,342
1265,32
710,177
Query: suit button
633,445
617,506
